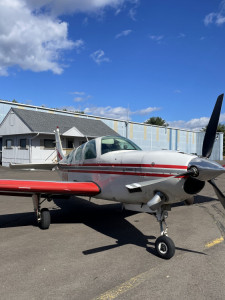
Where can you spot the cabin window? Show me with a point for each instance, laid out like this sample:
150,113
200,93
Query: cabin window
8,144
90,150
78,155
110,144
23,143
70,157
48,143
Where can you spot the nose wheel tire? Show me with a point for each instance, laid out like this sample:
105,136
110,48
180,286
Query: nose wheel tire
164,247
45,219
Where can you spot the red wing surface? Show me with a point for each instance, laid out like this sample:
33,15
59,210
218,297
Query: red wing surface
29,187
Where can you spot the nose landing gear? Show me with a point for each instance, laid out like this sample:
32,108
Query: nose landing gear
164,246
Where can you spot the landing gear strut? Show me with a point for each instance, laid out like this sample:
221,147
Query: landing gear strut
43,215
164,246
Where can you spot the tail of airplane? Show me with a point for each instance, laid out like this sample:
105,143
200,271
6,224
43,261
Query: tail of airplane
59,149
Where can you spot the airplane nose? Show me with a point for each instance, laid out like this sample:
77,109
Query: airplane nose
204,169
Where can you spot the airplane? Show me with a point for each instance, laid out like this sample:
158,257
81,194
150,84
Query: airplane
114,168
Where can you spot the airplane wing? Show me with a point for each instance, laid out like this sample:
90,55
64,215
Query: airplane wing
32,166
29,187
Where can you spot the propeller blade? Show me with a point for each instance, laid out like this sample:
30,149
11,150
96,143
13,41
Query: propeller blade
210,133
218,192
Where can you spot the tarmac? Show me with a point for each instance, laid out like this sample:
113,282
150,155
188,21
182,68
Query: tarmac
93,250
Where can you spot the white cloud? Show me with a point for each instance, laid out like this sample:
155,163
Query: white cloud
121,113
177,91
78,99
118,11
78,93
79,45
59,7
209,18
218,17
156,38
145,111
108,112
99,57
30,41
123,33
32,36
193,124
181,36
132,14
80,96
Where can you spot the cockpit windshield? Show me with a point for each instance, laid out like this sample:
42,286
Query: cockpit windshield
111,143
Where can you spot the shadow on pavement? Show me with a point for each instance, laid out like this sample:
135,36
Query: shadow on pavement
107,219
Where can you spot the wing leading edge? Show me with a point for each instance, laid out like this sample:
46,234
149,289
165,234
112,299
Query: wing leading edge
29,187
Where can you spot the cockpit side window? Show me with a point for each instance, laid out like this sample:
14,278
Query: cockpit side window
90,150
78,155
110,144
70,157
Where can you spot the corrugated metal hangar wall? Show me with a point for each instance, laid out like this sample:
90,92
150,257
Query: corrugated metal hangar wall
146,136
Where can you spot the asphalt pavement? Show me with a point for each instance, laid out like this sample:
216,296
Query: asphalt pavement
94,251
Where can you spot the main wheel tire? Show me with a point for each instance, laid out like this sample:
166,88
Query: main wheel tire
164,247
45,219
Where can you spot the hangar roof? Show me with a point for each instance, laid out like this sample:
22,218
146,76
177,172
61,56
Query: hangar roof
47,122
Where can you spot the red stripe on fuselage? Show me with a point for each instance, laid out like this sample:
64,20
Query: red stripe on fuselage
129,165
81,168
124,173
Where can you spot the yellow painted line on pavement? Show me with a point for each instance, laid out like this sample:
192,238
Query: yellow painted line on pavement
137,280
125,287
215,242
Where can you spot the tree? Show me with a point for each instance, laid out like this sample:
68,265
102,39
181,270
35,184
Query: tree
156,121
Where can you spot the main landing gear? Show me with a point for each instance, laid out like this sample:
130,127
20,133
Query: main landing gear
164,246
43,215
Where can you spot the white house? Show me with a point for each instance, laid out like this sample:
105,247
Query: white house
28,135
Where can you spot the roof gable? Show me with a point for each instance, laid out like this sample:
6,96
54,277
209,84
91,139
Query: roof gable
12,124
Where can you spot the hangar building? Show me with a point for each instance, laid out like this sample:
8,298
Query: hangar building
27,135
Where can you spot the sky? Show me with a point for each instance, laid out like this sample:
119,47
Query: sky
123,59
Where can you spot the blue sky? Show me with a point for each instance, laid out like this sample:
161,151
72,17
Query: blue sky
115,58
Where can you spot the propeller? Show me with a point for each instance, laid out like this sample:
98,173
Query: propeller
208,142
218,192
210,133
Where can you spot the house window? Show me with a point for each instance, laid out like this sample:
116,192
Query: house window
23,143
70,144
8,144
48,143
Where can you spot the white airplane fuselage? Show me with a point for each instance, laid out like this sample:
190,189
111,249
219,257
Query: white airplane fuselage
112,171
